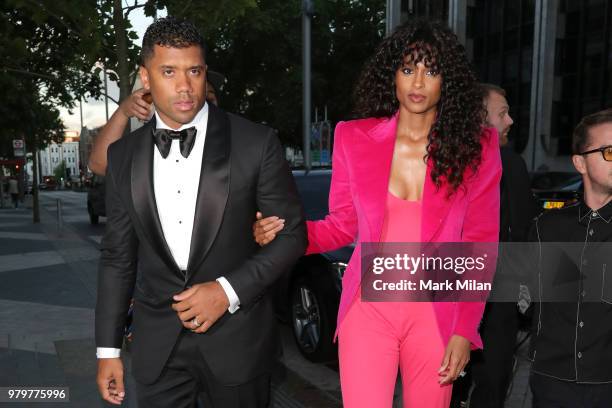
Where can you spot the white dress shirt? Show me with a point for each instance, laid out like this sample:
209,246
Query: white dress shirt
175,183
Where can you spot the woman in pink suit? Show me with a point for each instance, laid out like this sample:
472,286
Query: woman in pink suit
418,167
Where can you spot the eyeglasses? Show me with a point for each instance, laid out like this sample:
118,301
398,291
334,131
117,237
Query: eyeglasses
606,152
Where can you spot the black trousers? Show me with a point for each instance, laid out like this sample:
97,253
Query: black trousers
186,377
492,366
549,392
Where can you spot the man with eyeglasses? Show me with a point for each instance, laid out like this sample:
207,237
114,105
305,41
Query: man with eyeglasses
571,343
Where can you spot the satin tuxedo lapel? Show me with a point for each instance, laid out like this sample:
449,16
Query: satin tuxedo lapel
374,177
214,185
143,196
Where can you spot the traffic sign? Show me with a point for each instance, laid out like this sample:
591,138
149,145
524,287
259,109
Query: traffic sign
18,147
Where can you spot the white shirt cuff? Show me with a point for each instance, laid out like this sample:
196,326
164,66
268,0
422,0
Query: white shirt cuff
108,352
231,294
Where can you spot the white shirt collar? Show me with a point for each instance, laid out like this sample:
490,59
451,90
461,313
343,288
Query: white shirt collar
198,121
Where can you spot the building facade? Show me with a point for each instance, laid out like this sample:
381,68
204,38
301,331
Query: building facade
54,154
553,57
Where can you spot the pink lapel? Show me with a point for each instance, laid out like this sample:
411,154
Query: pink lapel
436,206
376,170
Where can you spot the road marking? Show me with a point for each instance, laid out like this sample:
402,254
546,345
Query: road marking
14,224
39,325
31,236
29,260
12,216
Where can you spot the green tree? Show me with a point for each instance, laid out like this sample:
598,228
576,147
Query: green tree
257,45
121,53
57,49
47,51
59,172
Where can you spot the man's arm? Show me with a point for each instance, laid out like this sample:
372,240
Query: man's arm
117,271
116,278
134,105
276,194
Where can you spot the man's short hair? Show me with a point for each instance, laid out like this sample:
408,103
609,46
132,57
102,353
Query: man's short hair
486,89
581,133
170,32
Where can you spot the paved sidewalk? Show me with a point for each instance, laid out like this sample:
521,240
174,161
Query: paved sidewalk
47,301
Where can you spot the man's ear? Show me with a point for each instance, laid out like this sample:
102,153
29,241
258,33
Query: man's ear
144,77
579,163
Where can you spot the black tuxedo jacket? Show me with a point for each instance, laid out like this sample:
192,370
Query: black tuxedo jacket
518,205
243,170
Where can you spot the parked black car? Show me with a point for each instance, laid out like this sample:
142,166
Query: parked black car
556,189
308,297
95,199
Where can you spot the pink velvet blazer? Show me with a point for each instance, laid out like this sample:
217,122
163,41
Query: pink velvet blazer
363,150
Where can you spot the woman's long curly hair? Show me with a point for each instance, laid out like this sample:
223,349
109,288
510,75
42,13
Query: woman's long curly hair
454,139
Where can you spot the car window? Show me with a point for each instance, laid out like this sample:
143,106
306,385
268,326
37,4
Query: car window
314,193
554,180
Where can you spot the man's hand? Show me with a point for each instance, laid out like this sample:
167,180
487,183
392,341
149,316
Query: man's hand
110,380
265,229
136,105
456,357
206,302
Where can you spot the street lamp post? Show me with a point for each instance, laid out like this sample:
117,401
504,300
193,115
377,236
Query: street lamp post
307,13
392,18
106,93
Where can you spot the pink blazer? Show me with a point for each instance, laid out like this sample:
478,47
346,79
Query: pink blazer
363,150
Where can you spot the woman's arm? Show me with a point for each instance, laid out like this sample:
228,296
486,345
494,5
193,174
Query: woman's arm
339,227
134,105
481,224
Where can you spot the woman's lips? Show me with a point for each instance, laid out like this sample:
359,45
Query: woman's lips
416,98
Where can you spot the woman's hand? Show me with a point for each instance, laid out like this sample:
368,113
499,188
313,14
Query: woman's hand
136,105
265,229
456,357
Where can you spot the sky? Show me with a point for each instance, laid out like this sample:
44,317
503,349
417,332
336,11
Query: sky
93,111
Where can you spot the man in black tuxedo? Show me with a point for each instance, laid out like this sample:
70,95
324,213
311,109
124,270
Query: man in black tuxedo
181,196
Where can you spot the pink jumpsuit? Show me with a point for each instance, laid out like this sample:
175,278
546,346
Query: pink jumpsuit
387,335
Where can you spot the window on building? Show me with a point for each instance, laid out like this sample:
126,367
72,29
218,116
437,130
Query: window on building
502,42
583,63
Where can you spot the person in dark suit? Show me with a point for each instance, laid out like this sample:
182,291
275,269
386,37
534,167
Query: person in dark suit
492,367
181,196
571,337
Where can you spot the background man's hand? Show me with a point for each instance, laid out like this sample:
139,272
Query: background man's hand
136,105
265,229
205,301
110,380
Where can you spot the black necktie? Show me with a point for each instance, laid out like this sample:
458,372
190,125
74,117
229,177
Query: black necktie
163,140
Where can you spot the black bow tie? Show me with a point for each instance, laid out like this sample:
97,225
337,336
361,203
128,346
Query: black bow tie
163,140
